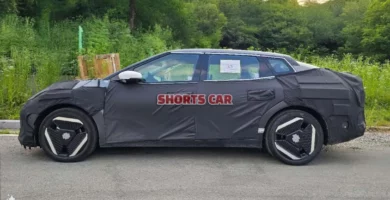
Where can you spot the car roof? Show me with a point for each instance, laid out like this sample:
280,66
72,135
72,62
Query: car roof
229,51
235,51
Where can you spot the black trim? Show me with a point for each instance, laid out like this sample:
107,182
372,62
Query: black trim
266,63
247,143
198,69
204,63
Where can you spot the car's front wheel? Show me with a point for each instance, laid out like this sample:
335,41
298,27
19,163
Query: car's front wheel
295,137
68,135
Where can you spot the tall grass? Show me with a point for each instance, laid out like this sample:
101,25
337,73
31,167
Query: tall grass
33,55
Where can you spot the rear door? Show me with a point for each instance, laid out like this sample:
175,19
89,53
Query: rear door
250,82
131,112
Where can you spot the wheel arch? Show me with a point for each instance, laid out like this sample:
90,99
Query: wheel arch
283,107
51,109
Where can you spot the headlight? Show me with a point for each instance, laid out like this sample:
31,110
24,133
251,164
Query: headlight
37,94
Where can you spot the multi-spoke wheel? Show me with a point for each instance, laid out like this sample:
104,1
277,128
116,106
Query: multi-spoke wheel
295,137
68,135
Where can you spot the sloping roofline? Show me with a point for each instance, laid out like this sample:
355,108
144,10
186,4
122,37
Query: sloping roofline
235,51
288,58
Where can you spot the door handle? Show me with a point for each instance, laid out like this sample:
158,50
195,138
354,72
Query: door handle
261,95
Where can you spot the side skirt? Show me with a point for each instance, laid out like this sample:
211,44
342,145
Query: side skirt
249,143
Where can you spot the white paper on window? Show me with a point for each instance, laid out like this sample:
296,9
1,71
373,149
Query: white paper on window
230,66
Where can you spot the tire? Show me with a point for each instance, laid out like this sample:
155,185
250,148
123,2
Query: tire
295,137
68,135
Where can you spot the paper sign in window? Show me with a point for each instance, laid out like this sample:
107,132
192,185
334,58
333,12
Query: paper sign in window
230,66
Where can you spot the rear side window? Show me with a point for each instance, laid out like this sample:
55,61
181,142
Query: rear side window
279,66
234,67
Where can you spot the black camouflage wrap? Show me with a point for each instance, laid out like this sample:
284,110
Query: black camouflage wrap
336,97
58,95
128,114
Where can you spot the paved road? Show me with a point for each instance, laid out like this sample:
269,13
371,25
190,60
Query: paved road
342,172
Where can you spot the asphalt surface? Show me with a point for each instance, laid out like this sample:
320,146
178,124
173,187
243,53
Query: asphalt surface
356,170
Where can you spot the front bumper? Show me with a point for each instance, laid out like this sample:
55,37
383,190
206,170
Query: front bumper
28,131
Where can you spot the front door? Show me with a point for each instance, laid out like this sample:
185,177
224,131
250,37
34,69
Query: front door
131,111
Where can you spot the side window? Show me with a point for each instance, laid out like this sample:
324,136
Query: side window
279,66
231,67
173,67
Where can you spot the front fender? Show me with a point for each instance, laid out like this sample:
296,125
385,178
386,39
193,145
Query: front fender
88,99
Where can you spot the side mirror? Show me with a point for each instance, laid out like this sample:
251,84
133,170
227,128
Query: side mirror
130,76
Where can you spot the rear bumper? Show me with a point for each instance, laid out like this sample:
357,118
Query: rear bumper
345,128
338,132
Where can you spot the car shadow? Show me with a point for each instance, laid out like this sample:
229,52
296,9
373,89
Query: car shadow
326,157
205,153
179,152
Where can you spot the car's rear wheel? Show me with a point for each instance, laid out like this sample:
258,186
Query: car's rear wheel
294,137
68,135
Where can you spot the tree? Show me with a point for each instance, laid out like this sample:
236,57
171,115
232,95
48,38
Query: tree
8,7
207,23
283,27
325,26
376,32
332,27
352,32
265,25
132,14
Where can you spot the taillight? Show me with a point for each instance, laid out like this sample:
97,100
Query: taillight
356,85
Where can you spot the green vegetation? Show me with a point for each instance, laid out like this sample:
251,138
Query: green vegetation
5,131
39,42
33,58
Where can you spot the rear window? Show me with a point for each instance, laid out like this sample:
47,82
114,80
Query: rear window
279,66
291,61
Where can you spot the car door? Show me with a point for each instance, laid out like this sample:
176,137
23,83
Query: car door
253,88
131,112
